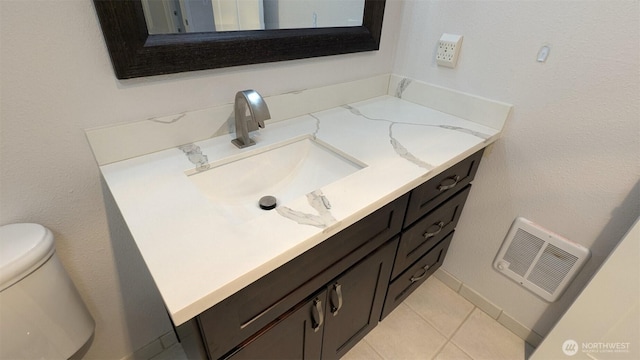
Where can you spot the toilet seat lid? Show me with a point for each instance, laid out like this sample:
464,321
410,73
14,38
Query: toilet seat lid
23,248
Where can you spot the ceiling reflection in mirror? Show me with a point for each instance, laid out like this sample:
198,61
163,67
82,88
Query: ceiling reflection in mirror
193,16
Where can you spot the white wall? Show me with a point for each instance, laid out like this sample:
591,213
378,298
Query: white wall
56,80
607,311
569,157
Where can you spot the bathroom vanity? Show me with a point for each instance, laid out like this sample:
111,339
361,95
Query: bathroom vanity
371,218
325,300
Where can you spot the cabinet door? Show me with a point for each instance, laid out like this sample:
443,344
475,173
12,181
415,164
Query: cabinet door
354,301
295,335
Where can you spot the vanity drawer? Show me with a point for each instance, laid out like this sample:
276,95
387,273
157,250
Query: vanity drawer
405,284
241,315
427,196
427,232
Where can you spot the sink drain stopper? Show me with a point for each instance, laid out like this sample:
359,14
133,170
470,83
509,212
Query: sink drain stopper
267,202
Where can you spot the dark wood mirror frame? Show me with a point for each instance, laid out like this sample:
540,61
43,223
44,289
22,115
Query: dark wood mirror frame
135,53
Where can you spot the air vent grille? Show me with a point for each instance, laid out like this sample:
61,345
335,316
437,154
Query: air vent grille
522,252
541,261
552,268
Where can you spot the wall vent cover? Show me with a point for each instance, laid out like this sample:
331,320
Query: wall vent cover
539,260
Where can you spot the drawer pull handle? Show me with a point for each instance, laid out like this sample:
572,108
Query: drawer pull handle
449,183
423,271
337,290
431,233
317,315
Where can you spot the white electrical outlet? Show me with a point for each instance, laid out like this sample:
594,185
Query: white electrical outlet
448,50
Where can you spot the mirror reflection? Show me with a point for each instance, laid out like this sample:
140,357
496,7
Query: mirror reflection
190,16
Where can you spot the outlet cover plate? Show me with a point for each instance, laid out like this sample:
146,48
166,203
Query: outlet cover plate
448,50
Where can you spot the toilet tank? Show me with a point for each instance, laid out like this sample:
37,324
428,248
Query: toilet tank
41,313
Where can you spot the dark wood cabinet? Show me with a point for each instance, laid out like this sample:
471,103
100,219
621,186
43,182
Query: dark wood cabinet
427,196
332,321
400,288
320,304
432,214
297,334
355,301
231,322
422,236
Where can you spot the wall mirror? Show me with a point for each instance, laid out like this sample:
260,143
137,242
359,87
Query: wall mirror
190,16
143,44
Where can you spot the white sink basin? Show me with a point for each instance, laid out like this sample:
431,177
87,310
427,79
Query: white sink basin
286,171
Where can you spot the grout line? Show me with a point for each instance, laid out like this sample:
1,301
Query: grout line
458,329
464,352
462,322
448,337
430,323
374,349
449,340
440,350
424,319
533,335
419,316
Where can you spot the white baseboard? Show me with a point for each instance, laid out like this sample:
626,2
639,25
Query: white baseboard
490,308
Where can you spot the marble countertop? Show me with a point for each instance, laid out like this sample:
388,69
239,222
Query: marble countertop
198,254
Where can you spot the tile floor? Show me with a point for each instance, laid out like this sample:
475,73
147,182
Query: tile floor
435,323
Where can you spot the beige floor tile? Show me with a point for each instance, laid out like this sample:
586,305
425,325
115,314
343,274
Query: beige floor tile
452,352
404,335
362,351
440,306
481,337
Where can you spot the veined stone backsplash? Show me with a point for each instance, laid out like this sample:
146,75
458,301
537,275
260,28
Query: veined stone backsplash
124,141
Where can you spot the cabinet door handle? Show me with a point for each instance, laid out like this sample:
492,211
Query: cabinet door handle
317,315
449,183
424,270
337,290
430,232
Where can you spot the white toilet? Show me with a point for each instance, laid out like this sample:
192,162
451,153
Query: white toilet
41,313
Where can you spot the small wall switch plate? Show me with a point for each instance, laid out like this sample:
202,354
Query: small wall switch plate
448,50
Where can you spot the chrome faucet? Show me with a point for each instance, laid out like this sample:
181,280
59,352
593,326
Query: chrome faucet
250,111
